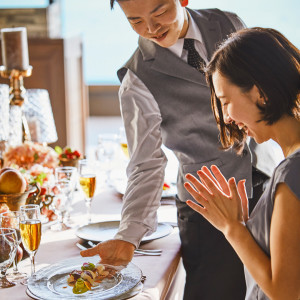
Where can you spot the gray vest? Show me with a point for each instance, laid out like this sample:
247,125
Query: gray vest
188,126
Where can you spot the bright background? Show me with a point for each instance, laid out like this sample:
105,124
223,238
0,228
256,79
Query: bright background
109,41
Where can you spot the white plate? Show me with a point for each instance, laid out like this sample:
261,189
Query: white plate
51,281
103,231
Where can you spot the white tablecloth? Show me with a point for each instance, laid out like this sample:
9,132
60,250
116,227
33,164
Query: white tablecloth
164,274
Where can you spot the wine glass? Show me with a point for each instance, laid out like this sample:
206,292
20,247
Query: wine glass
8,248
123,142
11,219
106,153
31,232
87,180
65,180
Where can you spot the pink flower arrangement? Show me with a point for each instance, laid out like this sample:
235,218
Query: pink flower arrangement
28,154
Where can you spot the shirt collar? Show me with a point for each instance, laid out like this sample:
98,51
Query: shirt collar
193,32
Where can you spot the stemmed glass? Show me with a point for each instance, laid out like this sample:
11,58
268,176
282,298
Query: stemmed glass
65,180
8,248
123,142
31,232
87,180
11,219
106,153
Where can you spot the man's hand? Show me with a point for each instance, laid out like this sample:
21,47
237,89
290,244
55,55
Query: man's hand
112,252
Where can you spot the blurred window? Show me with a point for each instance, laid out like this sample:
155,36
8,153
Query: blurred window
108,40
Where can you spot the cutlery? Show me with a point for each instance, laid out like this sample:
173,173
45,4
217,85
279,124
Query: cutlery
80,246
147,253
138,251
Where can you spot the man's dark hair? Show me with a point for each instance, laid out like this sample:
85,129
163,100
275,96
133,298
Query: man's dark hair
262,57
112,3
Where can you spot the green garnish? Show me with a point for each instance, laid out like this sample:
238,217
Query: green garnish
88,266
80,287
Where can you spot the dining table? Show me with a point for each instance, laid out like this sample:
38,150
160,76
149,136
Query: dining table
163,275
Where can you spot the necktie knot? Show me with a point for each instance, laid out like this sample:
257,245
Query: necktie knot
194,59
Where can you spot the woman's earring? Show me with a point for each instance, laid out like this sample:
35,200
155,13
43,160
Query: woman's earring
184,3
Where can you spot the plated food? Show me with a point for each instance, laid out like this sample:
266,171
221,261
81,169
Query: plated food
89,276
51,282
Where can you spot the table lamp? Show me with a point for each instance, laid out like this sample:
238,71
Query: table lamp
15,67
4,118
39,116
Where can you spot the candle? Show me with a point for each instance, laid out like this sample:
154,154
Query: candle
14,48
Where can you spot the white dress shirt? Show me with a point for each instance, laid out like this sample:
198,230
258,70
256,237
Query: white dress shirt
146,169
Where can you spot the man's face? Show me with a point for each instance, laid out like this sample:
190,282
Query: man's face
161,21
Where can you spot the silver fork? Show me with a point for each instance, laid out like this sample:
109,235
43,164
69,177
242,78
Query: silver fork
154,252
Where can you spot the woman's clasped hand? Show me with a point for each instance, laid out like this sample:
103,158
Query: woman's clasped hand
221,202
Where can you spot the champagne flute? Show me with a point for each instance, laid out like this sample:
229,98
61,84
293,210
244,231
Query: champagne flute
31,232
87,180
11,219
123,142
8,248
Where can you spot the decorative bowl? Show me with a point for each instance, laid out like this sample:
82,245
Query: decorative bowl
14,201
66,162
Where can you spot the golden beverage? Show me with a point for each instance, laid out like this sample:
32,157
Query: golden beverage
31,232
88,184
124,148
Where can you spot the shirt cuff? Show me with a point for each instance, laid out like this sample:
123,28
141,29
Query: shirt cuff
132,232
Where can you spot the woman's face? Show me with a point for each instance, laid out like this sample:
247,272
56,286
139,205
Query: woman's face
240,107
161,21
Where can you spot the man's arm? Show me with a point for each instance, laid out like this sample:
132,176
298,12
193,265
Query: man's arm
145,172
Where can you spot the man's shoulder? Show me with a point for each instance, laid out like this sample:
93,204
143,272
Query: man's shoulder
215,14
132,61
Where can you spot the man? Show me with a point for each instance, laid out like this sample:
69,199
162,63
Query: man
165,99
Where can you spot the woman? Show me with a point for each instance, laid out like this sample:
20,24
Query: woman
255,80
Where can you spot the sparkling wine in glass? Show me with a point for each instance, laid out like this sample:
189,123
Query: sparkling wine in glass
8,248
123,142
11,219
88,185
31,232
87,180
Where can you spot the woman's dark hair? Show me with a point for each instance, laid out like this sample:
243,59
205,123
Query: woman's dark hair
262,57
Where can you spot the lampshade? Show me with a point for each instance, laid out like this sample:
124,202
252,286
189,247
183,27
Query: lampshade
39,116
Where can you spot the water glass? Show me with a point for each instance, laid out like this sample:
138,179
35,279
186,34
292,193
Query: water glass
8,248
11,219
106,153
65,181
